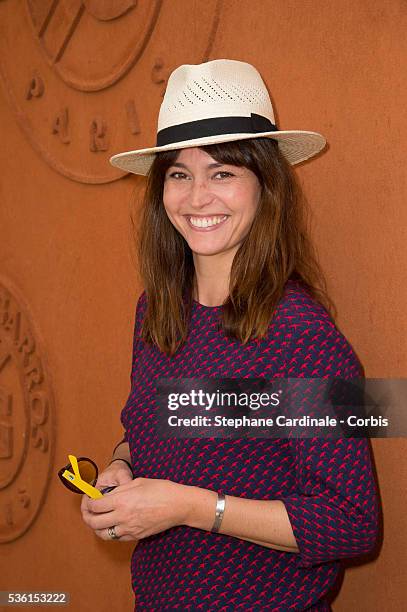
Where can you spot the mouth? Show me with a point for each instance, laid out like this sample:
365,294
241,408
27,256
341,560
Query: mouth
206,223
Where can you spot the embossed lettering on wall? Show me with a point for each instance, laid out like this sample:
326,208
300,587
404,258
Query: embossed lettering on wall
85,78
26,419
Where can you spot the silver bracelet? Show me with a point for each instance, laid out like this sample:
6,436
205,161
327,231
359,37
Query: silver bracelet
220,510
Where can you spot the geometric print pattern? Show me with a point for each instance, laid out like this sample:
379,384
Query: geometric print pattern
327,486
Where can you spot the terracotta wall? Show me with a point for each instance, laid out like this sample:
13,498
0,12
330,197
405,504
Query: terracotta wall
83,80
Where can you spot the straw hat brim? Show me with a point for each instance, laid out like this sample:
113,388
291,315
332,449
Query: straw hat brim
296,146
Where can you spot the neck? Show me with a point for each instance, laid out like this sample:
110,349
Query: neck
212,275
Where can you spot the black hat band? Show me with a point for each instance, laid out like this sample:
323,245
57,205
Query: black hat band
214,127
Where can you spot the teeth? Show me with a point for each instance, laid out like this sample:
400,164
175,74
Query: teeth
206,221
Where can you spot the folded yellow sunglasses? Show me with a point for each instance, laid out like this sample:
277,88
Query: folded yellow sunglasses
79,476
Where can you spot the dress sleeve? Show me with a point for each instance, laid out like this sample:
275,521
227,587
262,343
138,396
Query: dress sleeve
136,335
333,510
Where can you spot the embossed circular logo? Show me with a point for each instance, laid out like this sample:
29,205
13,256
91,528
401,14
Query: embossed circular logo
85,78
26,419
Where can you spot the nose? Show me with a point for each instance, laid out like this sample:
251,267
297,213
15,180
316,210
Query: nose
200,194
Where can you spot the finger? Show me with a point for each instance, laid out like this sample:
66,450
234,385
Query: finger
130,485
87,517
124,477
98,522
100,485
117,531
84,502
103,504
122,474
84,508
103,534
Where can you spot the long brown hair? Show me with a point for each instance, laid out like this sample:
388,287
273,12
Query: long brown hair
276,248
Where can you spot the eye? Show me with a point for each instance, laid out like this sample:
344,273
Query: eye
177,175
224,173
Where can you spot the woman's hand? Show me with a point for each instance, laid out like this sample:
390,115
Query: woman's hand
138,509
117,473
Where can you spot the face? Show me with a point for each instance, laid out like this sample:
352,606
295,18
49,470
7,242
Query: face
211,204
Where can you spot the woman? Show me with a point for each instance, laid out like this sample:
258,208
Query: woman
232,290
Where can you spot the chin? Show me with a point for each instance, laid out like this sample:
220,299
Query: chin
202,250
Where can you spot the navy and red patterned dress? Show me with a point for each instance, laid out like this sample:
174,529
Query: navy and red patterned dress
327,486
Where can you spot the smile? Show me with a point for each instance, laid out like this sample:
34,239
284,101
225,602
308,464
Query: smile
206,222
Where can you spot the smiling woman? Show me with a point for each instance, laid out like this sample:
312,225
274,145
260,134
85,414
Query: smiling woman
232,289
213,210
205,198
242,262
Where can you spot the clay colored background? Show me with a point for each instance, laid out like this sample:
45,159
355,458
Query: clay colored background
81,84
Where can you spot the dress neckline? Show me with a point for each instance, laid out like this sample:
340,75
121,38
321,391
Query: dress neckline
199,305
290,284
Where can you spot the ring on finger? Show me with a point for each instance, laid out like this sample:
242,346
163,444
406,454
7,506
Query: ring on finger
111,532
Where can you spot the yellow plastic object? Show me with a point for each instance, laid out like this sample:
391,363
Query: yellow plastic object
76,479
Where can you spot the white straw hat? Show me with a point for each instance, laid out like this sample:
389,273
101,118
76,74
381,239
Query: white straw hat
217,101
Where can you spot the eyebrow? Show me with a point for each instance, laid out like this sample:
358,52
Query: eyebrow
180,165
